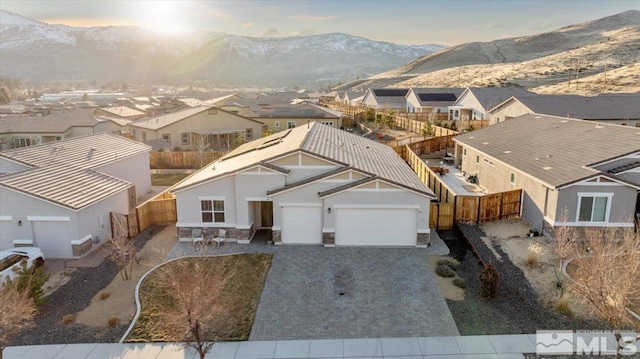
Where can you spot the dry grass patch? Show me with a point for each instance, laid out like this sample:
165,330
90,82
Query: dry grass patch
68,319
533,255
104,295
167,179
113,321
245,287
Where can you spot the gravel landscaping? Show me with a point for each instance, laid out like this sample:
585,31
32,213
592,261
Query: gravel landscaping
516,310
73,297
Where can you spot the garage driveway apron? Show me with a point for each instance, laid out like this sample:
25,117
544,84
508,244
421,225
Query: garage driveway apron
313,292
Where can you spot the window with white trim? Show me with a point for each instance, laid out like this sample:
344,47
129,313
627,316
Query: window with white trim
185,138
212,211
167,137
248,134
291,124
594,208
24,142
276,124
512,180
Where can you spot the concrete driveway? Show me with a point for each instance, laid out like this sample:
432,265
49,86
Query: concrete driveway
317,293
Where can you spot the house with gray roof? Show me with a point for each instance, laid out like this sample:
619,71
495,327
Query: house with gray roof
385,98
588,171
622,108
58,196
284,116
195,128
311,184
431,99
476,102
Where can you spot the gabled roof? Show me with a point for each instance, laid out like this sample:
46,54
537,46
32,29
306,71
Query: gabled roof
54,123
122,111
302,110
390,92
158,122
555,150
341,147
601,107
490,97
67,172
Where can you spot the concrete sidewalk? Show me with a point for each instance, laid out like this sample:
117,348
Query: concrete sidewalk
460,347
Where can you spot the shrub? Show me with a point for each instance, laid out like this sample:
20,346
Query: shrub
562,305
533,254
489,278
104,295
459,282
445,271
113,321
68,319
451,262
32,279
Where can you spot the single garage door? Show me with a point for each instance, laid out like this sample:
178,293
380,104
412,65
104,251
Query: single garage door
302,225
376,227
53,238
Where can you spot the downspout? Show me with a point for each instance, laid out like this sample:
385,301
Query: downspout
544,212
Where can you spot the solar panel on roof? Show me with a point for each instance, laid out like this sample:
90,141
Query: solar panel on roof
390,92
437,97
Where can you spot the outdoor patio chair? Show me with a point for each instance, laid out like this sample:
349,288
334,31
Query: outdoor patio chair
196,236
220,238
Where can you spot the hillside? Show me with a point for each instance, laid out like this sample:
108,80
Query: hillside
36,51
544,62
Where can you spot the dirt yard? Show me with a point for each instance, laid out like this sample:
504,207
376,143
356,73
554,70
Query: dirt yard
445,285
120,303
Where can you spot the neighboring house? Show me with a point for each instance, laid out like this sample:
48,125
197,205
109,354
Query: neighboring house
590,170
280,117
122,112
385,98
58,196
186,128
353,98
21,131
622,109
310,185
431,100
475,102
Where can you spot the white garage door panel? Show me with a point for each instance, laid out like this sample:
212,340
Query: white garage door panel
302,225
6,236
376,227
52,238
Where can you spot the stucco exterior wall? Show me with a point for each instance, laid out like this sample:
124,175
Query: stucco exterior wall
622,206
134,169
509,110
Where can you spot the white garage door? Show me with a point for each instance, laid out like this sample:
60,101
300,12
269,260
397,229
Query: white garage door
302,225
376,227
6,235
53,238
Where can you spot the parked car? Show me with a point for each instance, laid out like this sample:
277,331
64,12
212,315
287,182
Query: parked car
10,259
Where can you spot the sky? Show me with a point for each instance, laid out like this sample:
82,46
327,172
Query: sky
407,22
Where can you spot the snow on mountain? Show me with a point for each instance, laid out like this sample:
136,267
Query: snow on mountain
17,31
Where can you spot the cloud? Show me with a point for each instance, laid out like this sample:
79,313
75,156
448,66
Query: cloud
248,25
271,32
312,18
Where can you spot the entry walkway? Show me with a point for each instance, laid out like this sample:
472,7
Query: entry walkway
460,347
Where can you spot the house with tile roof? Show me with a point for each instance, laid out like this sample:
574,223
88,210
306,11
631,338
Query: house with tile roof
122,112
620,108
187,128
590,171
312,184
58,196
385,98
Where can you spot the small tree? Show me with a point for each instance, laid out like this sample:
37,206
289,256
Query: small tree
370,115
489,279
200,144
194,289
605,268
389,119
122,252
238,140
31,280
379,120
17,311
427,129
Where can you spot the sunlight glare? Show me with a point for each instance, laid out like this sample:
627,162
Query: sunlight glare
166,16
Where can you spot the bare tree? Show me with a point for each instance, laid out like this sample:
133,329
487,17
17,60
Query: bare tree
195,288
122,252
604,268
17,311
201,145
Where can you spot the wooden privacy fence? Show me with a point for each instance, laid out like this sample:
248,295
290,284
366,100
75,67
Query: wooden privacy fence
160,210
182,159
123,225
452,208
416,126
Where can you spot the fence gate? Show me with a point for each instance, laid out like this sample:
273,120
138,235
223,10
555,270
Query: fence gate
123,225
441,216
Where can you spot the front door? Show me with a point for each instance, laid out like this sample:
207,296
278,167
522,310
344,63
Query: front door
266,214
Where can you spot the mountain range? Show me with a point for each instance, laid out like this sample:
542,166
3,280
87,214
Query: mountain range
572,59
37,51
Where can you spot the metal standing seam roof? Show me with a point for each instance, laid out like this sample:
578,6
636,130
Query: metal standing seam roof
64,172
346,149
121,111
557,151
158,122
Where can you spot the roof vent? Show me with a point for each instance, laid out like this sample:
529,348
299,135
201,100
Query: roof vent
507,152
548,156
485,143
546,168
471,137
599,126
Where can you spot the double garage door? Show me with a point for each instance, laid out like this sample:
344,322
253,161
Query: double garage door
353,226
